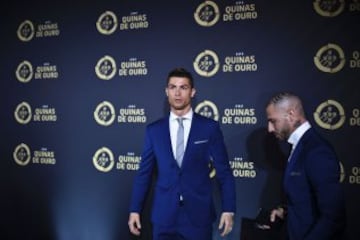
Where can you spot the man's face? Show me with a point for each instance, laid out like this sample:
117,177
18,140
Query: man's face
278,122
179,93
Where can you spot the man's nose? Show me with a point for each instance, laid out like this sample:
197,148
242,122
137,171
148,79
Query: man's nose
270,128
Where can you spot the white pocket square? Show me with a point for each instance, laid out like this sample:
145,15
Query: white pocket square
295,173
201,141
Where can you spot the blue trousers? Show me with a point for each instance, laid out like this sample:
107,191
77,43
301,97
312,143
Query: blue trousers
183,229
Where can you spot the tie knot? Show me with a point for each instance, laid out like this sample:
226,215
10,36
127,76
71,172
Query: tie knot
180,120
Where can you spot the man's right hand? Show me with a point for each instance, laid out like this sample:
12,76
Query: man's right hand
278,212
275,213
134,223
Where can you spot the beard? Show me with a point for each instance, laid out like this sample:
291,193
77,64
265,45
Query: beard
284,133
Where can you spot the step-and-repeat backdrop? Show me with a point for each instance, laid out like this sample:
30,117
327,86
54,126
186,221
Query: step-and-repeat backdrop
80,80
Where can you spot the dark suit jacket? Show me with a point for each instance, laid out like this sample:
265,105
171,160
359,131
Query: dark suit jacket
192,180
316,208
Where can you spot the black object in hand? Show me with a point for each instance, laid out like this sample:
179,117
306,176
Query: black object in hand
263,217
262,220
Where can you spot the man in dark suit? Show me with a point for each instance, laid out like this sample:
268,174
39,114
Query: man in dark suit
315,206
183,207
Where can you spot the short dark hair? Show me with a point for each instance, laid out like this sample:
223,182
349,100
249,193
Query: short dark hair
281,96
180,72
285,98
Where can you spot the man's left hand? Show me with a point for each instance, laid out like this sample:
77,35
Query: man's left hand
226,223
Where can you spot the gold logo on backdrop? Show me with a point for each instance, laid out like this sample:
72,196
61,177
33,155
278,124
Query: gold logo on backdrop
329,8
330,115
105,68
23,113
104,113
107,23
208,109
24,72
207,14
22,154
206,63
103,159
330,58
26,31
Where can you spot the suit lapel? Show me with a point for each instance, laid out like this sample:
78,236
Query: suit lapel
194,128
166,139
297,151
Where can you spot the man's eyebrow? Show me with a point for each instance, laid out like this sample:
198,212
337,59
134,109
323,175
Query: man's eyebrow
182,85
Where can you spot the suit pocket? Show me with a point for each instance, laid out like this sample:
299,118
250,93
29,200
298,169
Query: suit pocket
201,141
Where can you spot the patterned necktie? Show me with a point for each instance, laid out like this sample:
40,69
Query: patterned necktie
180,142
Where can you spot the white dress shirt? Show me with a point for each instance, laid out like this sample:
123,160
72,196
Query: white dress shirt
296,135
174,124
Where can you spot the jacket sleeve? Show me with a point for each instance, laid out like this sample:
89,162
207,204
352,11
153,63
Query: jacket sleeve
224,174
323,172
143,177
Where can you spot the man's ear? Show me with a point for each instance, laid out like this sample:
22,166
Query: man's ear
291,114
166,92
193,91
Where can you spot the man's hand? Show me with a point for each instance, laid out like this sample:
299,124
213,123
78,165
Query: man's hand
275,213
278,212
134,223
226,222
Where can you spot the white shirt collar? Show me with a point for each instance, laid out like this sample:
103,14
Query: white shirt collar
298,133
188,115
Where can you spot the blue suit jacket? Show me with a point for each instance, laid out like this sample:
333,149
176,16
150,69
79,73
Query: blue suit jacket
316,208
192,180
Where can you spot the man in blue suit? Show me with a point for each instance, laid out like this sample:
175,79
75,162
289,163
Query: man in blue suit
315,208
182,205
